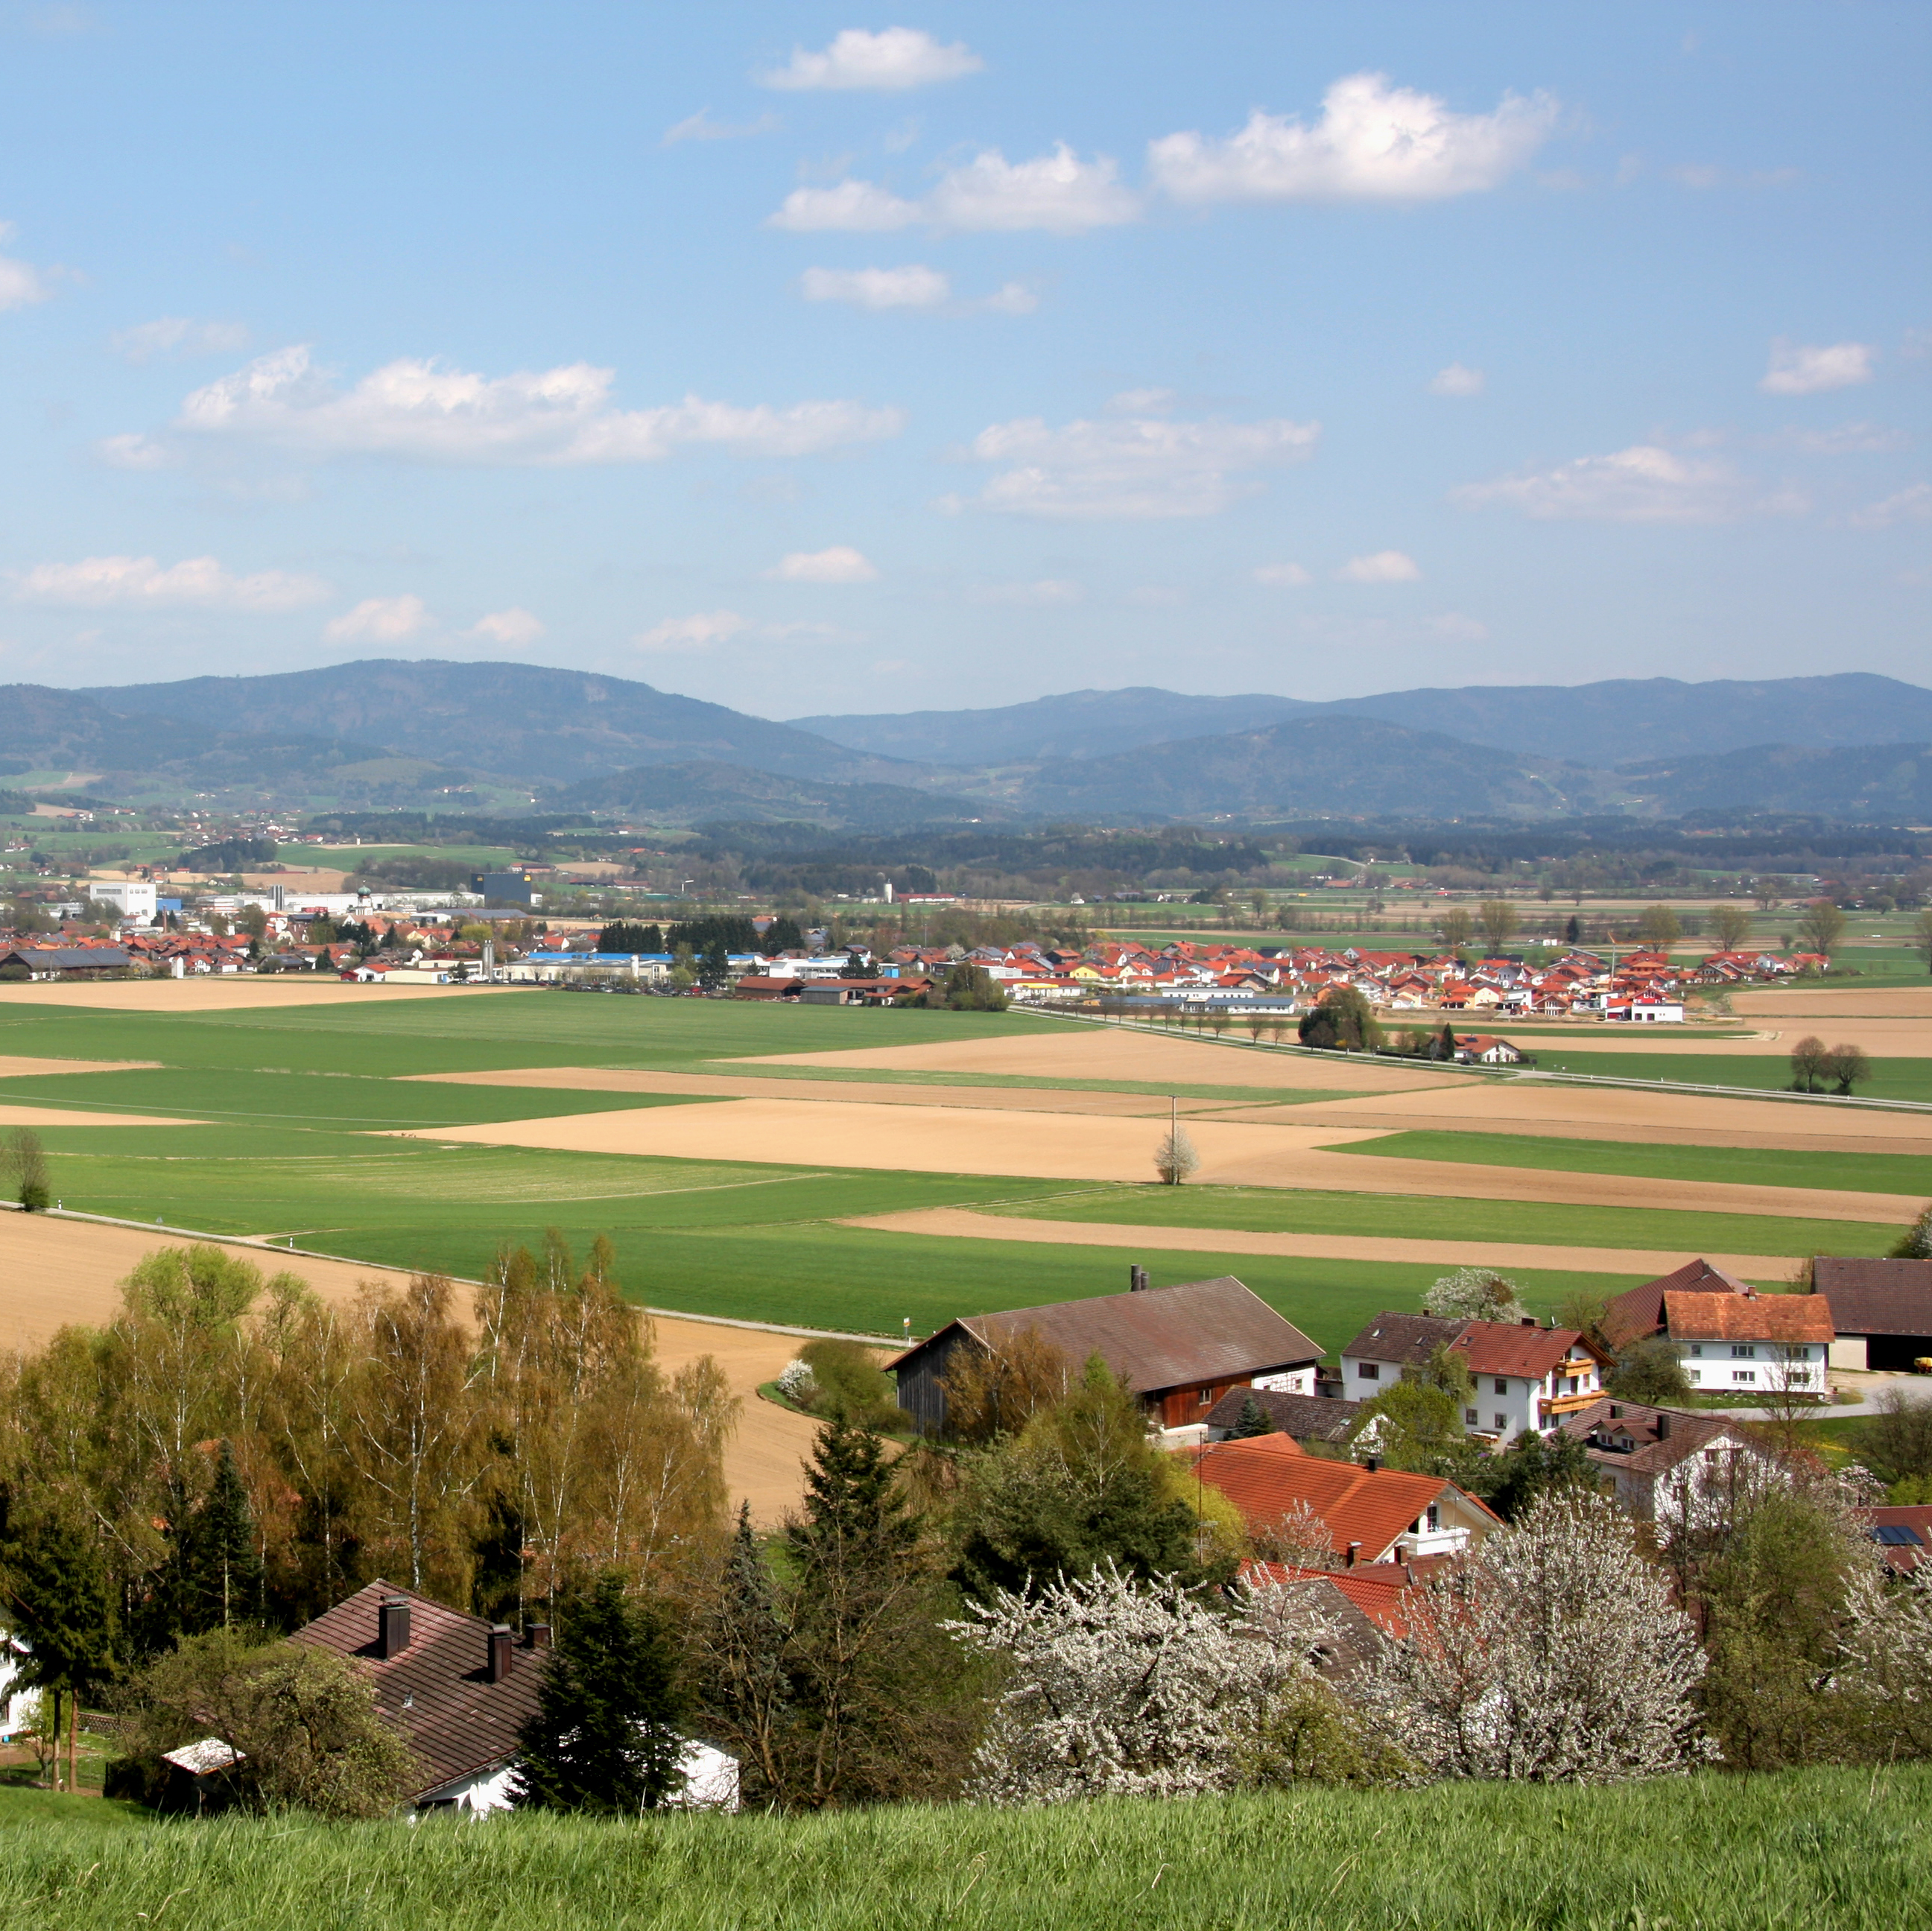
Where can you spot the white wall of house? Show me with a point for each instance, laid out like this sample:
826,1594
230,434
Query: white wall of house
18,1707
1502,1405
710,1783
1753,1367
1288,1381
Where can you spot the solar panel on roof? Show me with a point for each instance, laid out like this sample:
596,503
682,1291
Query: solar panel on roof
1897,1535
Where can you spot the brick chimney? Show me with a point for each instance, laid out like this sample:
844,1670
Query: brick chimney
392,1633
537,1637
1137,1280
1664,1428
501,1638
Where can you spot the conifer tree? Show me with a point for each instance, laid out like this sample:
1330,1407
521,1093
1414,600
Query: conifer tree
604,1738
1253,1420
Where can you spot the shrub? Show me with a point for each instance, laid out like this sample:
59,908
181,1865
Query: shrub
848,1385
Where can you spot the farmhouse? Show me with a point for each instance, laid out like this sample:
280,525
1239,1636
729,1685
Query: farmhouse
1180,1348
1369,1514
1660,1462
1729,1335
1881,1311
460,1689
1522,1376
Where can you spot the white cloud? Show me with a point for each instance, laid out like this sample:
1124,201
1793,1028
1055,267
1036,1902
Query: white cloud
1379,566
1058,192
697,632
379,620
1047,593
1911,505
1282,576
21,285
841,564
1373,142
889,62
913,286
1134,467
1643,484
1798,369
175,334
1011,298
513,628
141,582
1458,379
132,452
700,127
423,412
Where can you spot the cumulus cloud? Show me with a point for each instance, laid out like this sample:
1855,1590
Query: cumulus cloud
424,412
1011,298
132,452
699,631
514,628
887,62
700,127
1046,593
1458,380
1911,505
1136,466
379,620
141,582
913,286
21,283
1644,484
1379,566
1373,142
841,564
1800,369
1058,192
1282,576
176,335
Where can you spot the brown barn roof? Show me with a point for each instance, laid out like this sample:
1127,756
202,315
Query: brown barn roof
1409,1339
1876,1296
1782,1318
1303,1417
1640,1312
1161,1338
438,1691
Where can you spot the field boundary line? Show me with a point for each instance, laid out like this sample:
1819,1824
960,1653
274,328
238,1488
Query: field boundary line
258,1244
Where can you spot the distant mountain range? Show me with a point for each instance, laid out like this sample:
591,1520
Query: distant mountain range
456,735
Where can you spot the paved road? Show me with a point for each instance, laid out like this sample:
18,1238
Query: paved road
1914,1387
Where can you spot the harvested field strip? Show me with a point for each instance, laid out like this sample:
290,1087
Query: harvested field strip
958,1223
1281,1210
921,1140
20,1065
52,1114
1768,1008
1832,1168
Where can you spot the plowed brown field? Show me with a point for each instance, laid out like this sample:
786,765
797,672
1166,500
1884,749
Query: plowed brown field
223,993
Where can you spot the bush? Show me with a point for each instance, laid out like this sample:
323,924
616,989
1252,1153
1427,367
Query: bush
846,1384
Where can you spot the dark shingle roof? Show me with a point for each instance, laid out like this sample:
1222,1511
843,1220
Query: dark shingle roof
437,1692
1408,1339
1876,1296
1307,1417
1651,1452
1640,1312
1160,1338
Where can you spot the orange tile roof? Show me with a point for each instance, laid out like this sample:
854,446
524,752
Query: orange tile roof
1778,1317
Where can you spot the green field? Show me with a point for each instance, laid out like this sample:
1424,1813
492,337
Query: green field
1909,1174
1416,1217
1845,1849
299,1106
1891,1079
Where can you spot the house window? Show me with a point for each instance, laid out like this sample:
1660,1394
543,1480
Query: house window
1207,1398
1435,1516
1369,1371
1696,1349
1693,1376
1743,1376
1501,1421
1502,1385
1743,1352
1469,1417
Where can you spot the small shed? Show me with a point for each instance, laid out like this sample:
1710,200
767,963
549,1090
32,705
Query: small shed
198,1775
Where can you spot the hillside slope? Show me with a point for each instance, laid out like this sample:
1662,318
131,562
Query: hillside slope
693,793
1889,783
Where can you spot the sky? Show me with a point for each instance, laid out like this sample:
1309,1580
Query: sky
813,360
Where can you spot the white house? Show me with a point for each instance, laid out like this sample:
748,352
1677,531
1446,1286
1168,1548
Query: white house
1731,1339
1665,1464
132,898
18,1707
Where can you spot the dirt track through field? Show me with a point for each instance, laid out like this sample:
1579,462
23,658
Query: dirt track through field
958,1223
940,1141
872,1093
1064,1050
223,992
21,1066
56,1272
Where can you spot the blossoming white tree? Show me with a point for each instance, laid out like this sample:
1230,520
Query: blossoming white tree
1117,1689
1552,1655
1475,1293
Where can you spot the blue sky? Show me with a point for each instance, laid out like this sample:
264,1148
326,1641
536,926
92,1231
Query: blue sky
808,359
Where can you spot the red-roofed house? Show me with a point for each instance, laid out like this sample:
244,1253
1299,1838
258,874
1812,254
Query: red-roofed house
1522,1376
1728,1335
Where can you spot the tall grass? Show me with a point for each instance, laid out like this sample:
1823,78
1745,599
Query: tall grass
1841,1848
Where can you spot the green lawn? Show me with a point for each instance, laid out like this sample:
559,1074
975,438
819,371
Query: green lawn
1891,1079
1415,1217
1844,1849
1908,1173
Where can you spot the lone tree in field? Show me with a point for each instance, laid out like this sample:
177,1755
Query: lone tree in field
1845,1066
1497,918
1808,1063
604,1738
1730,926
1917,1244
1344,1021
1659,927
1821,925
24,1162
1175,1158
1456,925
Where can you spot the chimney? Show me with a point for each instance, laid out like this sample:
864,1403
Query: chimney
1137,1280
1373,1464
1353,1550
1528,1321
1663,1427
537,1637
500,1640
392,1633
1616,1412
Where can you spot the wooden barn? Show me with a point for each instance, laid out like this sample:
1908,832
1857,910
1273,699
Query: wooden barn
1180,1348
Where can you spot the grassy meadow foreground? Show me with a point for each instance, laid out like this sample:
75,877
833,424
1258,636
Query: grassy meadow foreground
1843,1849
